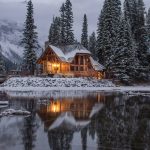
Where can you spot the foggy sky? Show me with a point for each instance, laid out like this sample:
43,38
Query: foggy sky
44,10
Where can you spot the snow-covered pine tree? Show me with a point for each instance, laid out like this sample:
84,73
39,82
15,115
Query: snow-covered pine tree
57,31
148,26
29,41
69,23
99,42
2,66
130,13
54,36
62,26
108,30
140,18
51,32
143,54
125,61
142,41
84,35
92,45
148,17
134,13
148,34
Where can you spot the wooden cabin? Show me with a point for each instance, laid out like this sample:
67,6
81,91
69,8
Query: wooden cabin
70,61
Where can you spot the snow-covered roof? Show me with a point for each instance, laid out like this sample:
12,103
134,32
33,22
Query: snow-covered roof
96,65
59,52
67,53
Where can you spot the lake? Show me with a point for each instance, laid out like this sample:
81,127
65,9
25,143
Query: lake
76,121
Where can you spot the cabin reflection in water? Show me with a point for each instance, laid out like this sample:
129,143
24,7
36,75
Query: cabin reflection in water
80,108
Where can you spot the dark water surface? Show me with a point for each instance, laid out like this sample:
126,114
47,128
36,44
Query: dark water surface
94,121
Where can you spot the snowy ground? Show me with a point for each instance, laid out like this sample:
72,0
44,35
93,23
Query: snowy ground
28,84
37,83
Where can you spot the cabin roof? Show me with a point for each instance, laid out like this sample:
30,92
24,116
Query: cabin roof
96,65
67,53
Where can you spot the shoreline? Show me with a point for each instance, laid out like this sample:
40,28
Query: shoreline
105,89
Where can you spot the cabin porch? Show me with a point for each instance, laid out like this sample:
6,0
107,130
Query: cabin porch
67,70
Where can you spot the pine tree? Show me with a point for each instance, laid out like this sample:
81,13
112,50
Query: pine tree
2,66
57,31
84,36
134,13
63,40
99,42
92,45
142,41
148,34
148,17
125,61
54,32
69,23
130,13
143,53
140,18
148,26
108,30
29,41
51,32
141,13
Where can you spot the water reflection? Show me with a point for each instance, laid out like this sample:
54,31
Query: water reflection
93,121
80,108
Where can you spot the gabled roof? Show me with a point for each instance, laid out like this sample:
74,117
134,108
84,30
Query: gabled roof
67,53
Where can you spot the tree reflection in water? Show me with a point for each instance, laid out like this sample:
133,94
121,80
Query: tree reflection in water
29,126
60,139
123,123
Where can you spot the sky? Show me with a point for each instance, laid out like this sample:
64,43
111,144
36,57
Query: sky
44,10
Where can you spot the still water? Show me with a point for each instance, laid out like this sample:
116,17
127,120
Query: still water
76,121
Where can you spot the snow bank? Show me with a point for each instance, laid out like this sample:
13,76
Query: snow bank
14,112
27,83
37,84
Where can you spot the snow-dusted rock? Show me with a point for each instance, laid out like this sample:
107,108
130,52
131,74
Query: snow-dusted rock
14,112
